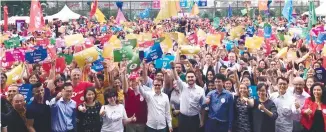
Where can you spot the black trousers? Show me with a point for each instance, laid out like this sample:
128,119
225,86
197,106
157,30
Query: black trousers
188,123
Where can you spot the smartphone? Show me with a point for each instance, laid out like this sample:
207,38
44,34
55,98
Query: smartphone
141,55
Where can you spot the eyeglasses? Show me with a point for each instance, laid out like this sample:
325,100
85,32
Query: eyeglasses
157,85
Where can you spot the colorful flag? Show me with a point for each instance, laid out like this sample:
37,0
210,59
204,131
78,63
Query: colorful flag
164,62
15,55
229,12
156,4
68,58
12,43
14,74
312,15
153,53
125,53
36,21
169,8
86,56
287,10
267,30
5,18
195,10
100,16
144,14
262,5
130,42
38,55
93,8
216,22
120,17
134,63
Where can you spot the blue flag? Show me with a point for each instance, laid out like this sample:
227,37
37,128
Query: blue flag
229,11
97,65
164,62
287,10
38,55
144,14
321,38
253,92
153,53
267,31
26,90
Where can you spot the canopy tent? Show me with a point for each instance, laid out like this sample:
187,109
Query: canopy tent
65,14
12,20
320,11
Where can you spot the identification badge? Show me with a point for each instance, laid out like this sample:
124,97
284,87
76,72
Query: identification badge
223,100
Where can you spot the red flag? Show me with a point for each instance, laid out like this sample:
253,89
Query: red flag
59,66
93,8
5,18
36,17
268,47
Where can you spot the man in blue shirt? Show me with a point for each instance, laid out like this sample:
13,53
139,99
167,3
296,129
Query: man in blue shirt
38,112
220,104
63,111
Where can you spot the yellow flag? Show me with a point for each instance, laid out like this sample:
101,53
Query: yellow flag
189,50
254,42
167,43
14,74
182,39
213,39
100,16
169,8
108,51
282,52
236,32
86,56
195,10
115,41
74,39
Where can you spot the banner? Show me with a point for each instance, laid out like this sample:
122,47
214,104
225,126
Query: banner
12,43
59,65
107,51
86,56
15,55
36,21
130,42
27,91
38,55
134,63
183,3
164,62
115,42
153,52
74,39
189,50
125,53
42,42
267,30
216,22
97,65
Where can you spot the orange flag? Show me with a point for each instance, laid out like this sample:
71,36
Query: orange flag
262,5
5,17
36,17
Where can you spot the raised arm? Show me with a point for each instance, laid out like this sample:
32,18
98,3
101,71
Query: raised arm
123,76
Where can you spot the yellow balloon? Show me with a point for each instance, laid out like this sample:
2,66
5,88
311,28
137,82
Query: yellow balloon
74,39
108,51
14,74
167,43
282,52
189,50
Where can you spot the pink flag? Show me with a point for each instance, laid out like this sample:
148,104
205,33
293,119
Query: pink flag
15,55
156,4
120,17
36,21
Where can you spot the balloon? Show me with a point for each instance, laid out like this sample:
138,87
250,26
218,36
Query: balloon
15,74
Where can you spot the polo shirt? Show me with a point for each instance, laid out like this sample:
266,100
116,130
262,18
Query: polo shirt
136,104
14,122
78,93
41,114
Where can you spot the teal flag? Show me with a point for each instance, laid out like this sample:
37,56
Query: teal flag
244,12
312,15
12,43
216,22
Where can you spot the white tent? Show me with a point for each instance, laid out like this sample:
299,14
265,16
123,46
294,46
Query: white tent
320,11
65,14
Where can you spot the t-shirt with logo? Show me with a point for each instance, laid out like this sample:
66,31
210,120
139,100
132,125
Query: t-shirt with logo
78,93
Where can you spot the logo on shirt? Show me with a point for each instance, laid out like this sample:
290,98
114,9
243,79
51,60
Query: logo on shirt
223,100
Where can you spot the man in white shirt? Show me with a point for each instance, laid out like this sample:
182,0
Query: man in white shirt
158,107
231,63
191,101
300,96
286,107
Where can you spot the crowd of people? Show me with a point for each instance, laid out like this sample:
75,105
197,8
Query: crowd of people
217,90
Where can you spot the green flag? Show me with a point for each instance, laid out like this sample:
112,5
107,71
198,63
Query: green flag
125,53
12,43
52,41
216,22
68,58
244,12
130,42
312,15
134,63
281,36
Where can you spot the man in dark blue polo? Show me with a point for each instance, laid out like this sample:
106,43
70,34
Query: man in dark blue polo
38,112
220,107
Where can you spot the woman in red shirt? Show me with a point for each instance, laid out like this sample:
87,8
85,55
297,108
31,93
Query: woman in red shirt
313,112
